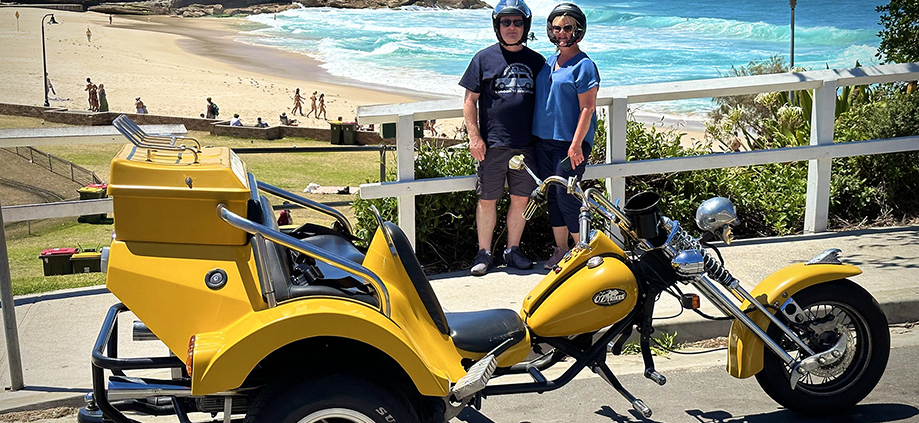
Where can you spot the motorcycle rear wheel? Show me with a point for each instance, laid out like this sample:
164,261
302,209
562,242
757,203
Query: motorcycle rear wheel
837,387
329,399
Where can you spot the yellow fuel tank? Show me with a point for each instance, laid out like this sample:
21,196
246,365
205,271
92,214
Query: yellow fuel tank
578,298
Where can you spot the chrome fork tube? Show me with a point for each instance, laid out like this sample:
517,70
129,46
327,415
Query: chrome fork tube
775,320
722,302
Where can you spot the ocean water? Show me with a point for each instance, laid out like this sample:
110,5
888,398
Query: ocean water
632,42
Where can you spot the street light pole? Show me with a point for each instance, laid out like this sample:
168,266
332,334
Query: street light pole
792,3
44,61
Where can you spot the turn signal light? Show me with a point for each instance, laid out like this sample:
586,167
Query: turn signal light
190,357
690,301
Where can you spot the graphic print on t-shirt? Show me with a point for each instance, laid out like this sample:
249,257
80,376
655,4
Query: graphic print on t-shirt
516,78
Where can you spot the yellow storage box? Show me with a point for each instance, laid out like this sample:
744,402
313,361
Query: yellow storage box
172,199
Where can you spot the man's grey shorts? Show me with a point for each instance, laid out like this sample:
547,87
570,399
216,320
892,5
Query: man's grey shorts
492,173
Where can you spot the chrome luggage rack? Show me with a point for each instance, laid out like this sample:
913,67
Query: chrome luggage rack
138,137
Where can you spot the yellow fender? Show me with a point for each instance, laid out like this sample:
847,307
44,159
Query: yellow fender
745,350
223,359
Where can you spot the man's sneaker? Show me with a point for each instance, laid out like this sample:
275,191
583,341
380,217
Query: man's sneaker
557,256
482,263
515,258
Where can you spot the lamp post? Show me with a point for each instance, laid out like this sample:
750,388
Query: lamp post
44,61
792,3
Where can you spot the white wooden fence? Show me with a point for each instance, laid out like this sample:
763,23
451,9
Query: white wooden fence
615,101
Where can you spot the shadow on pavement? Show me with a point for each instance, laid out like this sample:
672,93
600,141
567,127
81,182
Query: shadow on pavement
868,413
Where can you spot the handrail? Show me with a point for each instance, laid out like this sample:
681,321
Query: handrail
305,202
323,255
138,137
616,101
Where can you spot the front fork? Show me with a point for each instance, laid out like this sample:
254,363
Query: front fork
800,367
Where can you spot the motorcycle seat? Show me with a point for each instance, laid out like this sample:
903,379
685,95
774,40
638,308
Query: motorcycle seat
483,330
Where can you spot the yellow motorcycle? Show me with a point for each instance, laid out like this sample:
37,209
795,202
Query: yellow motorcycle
297,324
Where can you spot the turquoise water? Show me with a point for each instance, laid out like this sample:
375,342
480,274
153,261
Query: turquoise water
632,42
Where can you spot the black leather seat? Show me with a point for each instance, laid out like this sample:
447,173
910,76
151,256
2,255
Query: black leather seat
484,330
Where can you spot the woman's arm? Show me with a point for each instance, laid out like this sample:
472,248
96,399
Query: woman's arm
587,102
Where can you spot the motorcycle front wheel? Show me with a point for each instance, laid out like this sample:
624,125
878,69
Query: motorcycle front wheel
830,308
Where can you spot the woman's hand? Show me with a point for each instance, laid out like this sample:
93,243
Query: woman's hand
576,155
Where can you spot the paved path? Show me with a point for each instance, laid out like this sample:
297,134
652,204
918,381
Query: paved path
57,329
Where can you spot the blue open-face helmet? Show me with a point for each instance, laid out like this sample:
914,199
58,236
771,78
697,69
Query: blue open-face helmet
512,8
572,10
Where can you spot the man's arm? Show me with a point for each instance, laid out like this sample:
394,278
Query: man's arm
471,117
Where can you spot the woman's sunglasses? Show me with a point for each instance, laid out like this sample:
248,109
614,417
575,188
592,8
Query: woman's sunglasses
516,22
566,28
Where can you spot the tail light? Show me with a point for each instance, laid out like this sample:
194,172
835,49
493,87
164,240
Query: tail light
690,301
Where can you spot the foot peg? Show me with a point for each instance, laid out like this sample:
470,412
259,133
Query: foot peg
476,378
639,406
656,377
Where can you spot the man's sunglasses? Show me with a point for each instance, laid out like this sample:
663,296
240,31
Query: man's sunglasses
566,28
516,22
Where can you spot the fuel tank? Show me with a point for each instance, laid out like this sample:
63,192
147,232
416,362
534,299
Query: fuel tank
581,295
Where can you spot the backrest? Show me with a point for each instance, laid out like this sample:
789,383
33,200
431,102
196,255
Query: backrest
279,265
418,278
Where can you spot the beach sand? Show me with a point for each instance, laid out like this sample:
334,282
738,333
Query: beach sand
172,63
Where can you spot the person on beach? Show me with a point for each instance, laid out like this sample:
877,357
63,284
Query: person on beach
313,109
50,87
140,106
565,119
298,103
103,101
260,124
286,120
235,120
212,110
498,114
89,35
109,19
93,93
322,107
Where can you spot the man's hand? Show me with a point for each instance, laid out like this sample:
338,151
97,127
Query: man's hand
477,148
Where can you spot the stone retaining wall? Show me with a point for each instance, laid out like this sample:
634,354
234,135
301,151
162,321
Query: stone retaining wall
214,126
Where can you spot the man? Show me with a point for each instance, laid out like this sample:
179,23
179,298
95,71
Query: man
498,113
235,121
212,110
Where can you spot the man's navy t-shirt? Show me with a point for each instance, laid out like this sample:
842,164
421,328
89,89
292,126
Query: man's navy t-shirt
506,84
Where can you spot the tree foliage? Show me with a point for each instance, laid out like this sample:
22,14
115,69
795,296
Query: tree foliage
900,36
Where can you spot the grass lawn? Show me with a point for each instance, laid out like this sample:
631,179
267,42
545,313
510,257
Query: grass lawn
292,172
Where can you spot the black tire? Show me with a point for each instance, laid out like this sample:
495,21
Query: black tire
329,399
834,388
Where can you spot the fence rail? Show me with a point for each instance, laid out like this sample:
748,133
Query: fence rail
615,102
57,165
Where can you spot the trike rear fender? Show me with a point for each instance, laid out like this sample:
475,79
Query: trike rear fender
223,359
745,350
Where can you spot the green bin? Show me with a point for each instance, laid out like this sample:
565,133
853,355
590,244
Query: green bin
389,130
336,138
87,262
56,261
349,133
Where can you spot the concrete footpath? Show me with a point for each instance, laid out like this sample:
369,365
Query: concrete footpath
57,329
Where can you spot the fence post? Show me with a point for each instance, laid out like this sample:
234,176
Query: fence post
616,121
818,171
405,171
50,166
71,172
9,314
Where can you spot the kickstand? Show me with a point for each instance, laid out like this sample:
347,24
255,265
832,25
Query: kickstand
638,405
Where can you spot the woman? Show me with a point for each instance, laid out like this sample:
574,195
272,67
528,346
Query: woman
298,103
103,102
322,107
313,110
564,120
